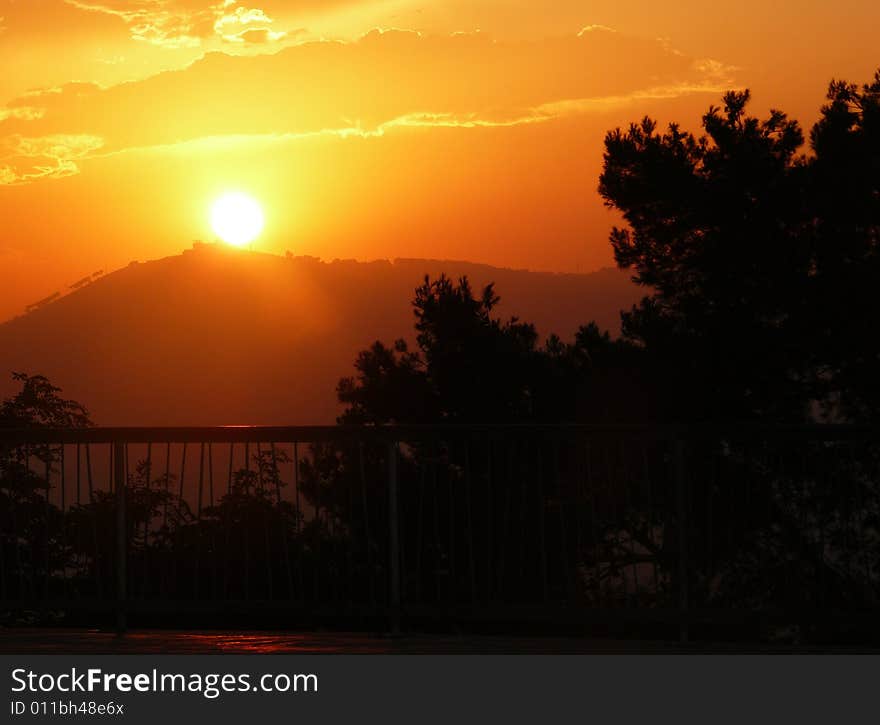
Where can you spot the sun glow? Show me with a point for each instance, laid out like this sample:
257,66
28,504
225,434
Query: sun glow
237,218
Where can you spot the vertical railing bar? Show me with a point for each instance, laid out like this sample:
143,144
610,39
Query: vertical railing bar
860,504
714,484
89,472
563,532
4,594
350,542
489,519
148,509
13,534
261,489
129,591
439,549
542,534
46,506
523,515
229,479
594,526
247,523
730,494
164,566
63,478
182,475
226,552
681,504
201,480
318,535
284,541
366,510
578,483
80,557
628,511
63,536
98,579
298,520
121,536
470,523
651,514
504,529
78,476
198,562
211,475
213,530
394,534
181,509
19,565
453,588
167,486
825,477
296,482
612,490
420,525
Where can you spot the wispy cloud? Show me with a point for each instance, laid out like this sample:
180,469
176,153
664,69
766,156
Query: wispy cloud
22,113
235,22
177,24
154,21
383,82
258,35
24,159
543,113
595,29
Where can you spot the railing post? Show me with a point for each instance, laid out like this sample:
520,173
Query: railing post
121,535
393,538
680,473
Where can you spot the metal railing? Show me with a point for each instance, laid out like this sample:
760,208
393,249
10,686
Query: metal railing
620,527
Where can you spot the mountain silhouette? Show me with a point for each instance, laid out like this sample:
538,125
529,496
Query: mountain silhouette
219,336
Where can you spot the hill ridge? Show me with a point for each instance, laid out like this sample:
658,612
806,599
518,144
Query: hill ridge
223,336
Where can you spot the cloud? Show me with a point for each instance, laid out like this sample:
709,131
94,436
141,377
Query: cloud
384,81
234,22
186,23
155,21
594,29
540,114
24,113
24,159
258,35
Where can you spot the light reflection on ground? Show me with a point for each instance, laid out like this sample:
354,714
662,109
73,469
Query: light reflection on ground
58,641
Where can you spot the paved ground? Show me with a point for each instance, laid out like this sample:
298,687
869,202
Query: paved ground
61,641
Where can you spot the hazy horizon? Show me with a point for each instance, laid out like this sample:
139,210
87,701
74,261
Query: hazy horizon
153,342
430,263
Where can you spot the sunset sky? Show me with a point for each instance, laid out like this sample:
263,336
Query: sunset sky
465,129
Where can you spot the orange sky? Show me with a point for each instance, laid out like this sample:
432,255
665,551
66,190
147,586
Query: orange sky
465,129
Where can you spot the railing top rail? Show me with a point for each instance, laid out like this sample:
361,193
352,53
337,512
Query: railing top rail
412,433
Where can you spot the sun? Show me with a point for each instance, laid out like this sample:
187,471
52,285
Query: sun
237,218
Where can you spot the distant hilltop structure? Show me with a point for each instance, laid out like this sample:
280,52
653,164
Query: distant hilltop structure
79,284
43,302
85,280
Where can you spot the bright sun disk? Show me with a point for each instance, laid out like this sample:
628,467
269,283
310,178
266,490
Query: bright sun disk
236,218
